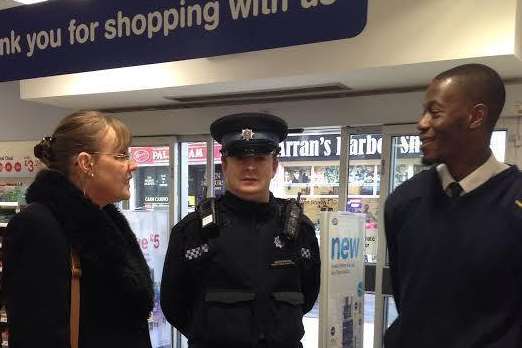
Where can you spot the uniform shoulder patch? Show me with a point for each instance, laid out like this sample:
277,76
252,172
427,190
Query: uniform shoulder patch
190,219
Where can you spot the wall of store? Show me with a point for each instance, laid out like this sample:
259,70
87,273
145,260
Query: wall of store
22,120
518,30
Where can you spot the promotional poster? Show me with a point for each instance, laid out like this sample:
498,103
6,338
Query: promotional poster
152,232
342,240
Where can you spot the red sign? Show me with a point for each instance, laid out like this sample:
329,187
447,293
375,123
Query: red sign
150,155
197,153
141,155
159,155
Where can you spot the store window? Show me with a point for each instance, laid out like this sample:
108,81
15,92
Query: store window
150,189
194,185
364,181
148,214
369,316
193,171
405,159
309,164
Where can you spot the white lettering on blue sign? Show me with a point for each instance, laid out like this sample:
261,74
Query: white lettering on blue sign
249,8
113,28
313,3
10,45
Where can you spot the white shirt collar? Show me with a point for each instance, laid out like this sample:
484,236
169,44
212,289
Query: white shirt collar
479,176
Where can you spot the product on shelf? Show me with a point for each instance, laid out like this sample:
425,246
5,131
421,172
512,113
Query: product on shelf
5,337
3,315
12,192
6,215
9,206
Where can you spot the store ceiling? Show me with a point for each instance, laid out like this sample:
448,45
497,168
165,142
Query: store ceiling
382,80
8,4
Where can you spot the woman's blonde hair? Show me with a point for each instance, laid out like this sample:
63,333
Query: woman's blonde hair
79,132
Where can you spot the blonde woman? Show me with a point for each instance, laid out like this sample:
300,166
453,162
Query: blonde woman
70,207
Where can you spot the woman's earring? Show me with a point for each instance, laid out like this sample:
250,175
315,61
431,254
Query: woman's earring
83,186
85,181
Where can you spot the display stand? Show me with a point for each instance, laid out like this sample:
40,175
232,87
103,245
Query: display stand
342,280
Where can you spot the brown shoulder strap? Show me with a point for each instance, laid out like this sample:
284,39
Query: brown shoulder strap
76,273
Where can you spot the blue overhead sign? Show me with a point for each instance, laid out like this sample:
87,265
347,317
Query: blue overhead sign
63,36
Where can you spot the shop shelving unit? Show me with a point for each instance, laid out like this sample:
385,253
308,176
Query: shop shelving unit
7,211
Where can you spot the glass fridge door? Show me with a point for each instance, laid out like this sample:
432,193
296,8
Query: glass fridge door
150,211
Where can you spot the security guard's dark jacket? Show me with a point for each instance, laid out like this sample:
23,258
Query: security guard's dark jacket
246,287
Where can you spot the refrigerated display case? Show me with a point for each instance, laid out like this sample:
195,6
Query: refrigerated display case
18,167
148,215
9,206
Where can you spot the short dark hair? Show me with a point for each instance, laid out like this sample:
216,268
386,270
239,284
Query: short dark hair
481,84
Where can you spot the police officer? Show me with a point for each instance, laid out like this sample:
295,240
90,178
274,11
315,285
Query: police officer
244,268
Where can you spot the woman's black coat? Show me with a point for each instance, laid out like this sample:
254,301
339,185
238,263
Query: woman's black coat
116,287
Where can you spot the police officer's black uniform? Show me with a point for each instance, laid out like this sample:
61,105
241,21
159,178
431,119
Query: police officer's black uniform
246,283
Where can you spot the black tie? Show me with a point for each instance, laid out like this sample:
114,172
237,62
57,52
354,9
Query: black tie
455,189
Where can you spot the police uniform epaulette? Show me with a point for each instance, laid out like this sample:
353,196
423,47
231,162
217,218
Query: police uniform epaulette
291,212
188,219
209,214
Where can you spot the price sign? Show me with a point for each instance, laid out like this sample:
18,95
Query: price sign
17,159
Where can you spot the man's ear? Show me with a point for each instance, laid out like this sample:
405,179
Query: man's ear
478,116
85,162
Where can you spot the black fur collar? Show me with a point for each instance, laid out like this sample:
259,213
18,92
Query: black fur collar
102,237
